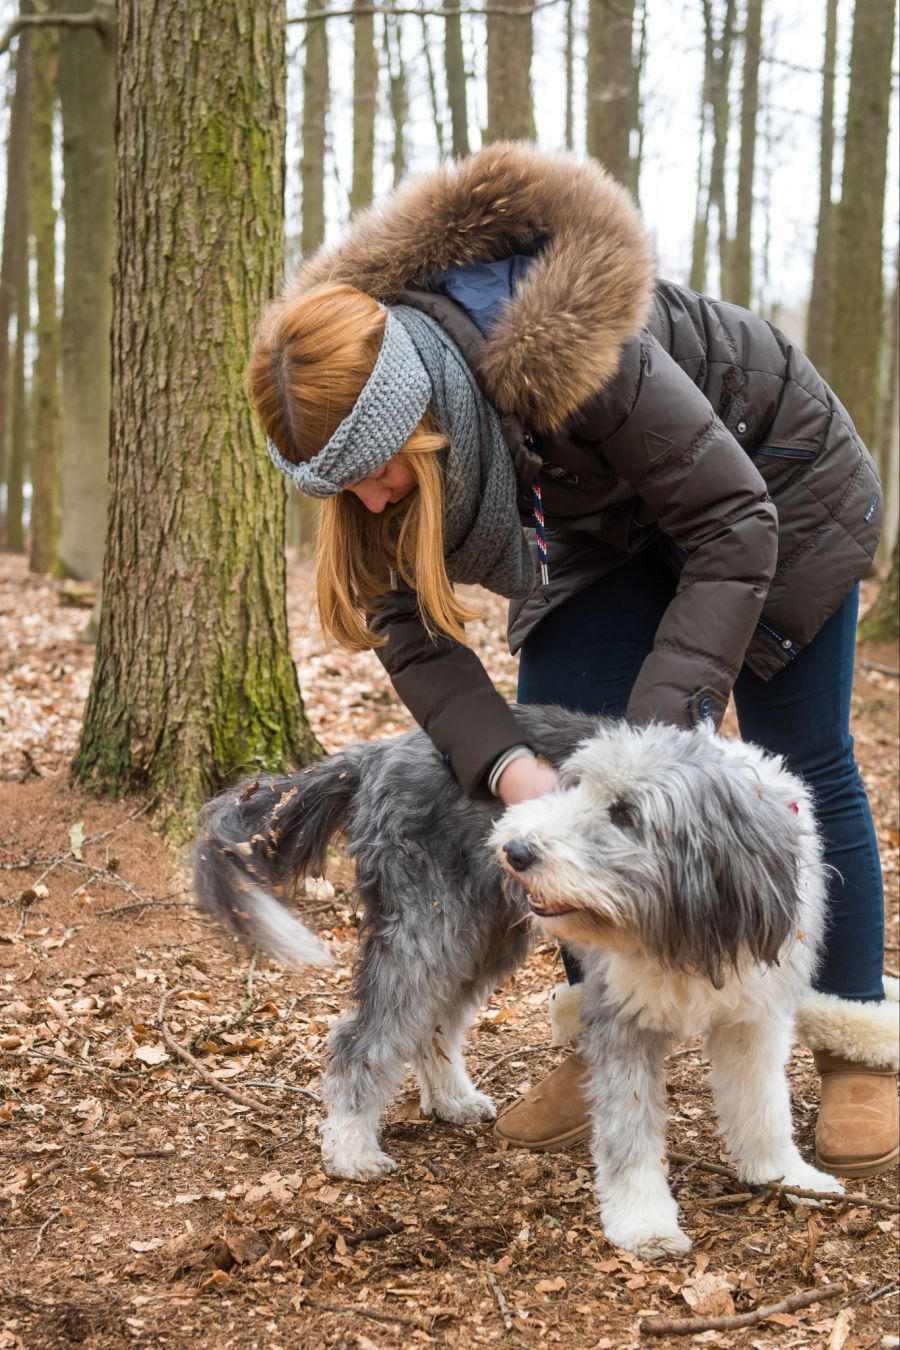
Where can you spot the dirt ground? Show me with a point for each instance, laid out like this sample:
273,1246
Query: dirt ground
141,1205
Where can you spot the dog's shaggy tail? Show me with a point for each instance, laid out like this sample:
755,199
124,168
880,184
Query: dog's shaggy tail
264,835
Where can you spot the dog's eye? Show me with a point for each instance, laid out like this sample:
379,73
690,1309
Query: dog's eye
623,815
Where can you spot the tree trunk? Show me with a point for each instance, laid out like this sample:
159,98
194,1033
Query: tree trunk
713,123
611,102
19,421
570,75
15,244
510,114
882,623
889,434
398,96
455,68
45,450
859,283
315,121
365,104
821,301
87,73
741,253
193,681
436,114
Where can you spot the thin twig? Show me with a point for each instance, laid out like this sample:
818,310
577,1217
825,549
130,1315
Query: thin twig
835,1197
687,1326
882,670
422,13
284,1087
239,1017
186,1056
140,811
44,1226
165,903
718,1201
513,1054
505,1315
373,1234
364,1312
716,1168
94,19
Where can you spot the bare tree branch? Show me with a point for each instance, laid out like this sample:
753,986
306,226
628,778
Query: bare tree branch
507,10
101,19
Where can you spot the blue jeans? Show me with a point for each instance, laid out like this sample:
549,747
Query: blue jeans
586,655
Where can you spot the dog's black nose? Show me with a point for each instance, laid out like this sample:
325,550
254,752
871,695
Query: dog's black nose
520,854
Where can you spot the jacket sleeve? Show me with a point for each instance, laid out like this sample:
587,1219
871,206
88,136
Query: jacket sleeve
709,498
447,690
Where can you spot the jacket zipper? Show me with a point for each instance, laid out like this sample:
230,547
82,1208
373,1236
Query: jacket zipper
784,452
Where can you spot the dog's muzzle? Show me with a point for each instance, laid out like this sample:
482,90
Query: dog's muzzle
520,855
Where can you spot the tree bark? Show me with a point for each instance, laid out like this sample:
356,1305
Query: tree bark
859,282
510,114
721,116
19,420
193,681
713,124
739,285
570,75
45,450
365,103
87,73
821,301
611,101
398,96
455,69
882,623
315,123
13,265
889,434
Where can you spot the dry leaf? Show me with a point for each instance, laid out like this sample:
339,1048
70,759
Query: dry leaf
550,1286
151,1054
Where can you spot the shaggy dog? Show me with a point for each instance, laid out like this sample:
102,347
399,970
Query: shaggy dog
684,870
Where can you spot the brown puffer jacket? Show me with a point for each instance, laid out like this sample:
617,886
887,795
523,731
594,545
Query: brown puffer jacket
651,412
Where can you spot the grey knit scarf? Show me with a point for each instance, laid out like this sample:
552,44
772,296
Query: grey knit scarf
420,364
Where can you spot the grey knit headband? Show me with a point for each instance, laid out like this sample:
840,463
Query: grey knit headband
384,416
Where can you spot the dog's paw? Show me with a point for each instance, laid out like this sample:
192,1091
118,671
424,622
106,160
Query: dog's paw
793,1172
364,1164
466,1110
650,1246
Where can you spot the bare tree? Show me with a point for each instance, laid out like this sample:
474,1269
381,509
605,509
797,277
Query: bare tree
611,86
193,679
365,104
715,117
738,284
13,265
45,448
859,278
510,114
315,121
821,301
455,69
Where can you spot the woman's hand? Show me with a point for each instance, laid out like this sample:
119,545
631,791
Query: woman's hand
525,778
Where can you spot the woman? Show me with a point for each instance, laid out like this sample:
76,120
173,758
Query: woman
488,347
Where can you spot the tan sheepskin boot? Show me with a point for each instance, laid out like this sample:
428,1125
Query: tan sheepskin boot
857,1050
554,1114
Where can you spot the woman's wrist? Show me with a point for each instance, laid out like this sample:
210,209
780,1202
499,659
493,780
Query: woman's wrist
524,778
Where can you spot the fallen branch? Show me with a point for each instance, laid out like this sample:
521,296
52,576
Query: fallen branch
718,1201
775,1187
165,903
687,1326
284,1087
44,1226
505,1314
373,1234
364,1312
513,1054
185,1055
882,670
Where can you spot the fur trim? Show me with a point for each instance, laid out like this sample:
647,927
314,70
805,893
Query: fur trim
559,340
867,1033
565,1021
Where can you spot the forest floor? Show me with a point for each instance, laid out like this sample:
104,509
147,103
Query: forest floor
140,1205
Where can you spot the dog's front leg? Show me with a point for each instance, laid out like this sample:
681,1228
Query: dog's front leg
627,1089
753,1102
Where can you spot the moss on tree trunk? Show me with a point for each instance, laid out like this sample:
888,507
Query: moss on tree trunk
193,681
882,623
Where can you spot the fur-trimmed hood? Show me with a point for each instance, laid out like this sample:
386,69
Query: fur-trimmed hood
558,340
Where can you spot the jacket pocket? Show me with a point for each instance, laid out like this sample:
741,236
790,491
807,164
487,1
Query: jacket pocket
783,452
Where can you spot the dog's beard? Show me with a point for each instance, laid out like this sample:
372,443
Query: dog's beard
566,918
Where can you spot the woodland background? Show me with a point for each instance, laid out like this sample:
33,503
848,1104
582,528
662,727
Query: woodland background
166,161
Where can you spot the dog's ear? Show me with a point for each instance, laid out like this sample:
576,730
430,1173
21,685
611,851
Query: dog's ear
734,879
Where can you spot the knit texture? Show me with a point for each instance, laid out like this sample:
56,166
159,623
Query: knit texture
484,543
382,419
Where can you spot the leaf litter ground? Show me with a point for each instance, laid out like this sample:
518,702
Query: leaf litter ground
140,1205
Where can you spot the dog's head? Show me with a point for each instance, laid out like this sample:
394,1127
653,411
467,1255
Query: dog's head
678,844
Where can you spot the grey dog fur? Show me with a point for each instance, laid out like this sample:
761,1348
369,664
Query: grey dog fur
705,875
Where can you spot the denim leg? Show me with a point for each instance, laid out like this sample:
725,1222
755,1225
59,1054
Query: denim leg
586,655
803,713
